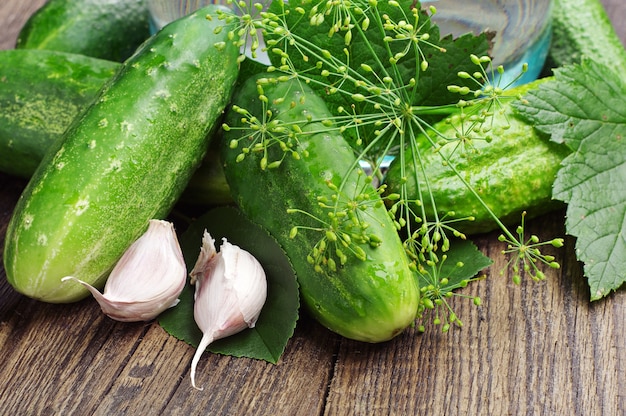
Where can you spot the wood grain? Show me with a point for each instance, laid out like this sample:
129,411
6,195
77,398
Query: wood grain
534,349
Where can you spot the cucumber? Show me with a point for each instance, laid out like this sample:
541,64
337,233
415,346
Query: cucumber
583,28
123,161
41,92
208,186
512,173
109,29
369,296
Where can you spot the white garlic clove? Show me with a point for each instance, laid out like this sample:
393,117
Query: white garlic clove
231,289
147,279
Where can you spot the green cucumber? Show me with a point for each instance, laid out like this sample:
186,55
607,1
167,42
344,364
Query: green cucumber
110,29
583,28
369,296
208,186
41,92
123,161
512,173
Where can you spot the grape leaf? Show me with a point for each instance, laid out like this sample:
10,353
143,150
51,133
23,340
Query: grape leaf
583,107
275,326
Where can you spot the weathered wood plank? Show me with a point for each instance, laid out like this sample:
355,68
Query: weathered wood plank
52,351
235,386
538,348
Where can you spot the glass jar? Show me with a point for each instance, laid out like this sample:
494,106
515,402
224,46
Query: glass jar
164,11
523,30
522,27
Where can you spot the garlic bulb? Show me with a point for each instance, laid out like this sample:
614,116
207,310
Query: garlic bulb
147,279
231,289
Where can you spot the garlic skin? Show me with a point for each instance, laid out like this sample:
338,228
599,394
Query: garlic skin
231,289
147,279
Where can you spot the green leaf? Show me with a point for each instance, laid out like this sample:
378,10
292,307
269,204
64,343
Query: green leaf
583,107
463,262
445,66
275,326
466,253
386,75
440,280
446,57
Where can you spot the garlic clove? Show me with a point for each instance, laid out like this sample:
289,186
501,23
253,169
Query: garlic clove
231,289
147,279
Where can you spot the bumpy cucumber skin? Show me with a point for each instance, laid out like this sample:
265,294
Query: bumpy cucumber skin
372,300
583,28
512,173
41,92
111,29
124,161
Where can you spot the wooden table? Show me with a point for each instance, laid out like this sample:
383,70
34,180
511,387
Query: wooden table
537,349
